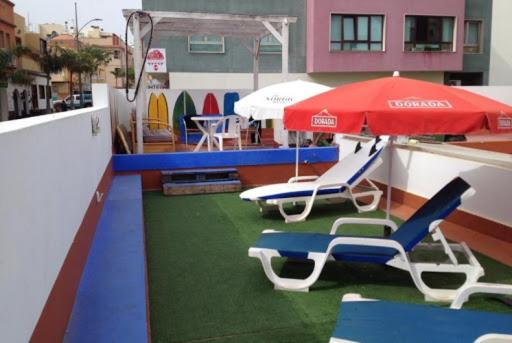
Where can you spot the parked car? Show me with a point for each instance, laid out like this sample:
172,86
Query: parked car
87,99
64,105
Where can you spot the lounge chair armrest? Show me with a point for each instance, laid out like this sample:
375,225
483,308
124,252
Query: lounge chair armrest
363,221
479,287
367,241
302,178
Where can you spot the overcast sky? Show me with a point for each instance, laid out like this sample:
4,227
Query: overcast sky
59,11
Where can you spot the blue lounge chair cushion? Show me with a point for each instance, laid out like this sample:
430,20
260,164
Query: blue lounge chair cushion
444,202
298,245
414,230
383,321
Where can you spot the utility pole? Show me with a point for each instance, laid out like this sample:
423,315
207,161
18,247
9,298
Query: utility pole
79,72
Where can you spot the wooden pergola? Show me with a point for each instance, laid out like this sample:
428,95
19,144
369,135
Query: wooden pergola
246,27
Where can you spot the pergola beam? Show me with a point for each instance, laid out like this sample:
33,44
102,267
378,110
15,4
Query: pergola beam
273,31
145,30
254,27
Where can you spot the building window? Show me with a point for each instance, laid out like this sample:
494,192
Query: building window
357,32
206,44
116,54
8,40
473,36
41,92
43,46
270,45
2,44
427,33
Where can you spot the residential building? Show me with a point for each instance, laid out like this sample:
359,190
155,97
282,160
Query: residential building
354,40
6,41
336,42
96,37
115,45
478,21
7,24
224,62
28,99
500,73
51,30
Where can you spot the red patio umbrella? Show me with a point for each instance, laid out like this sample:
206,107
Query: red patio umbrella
398,106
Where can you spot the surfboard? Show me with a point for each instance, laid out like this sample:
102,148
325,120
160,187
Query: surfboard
163,111
184,105
229,102
153,110
210,105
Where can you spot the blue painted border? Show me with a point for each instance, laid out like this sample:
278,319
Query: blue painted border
234,158
110,304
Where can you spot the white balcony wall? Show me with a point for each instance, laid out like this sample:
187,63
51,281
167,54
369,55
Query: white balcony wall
423,173
50,167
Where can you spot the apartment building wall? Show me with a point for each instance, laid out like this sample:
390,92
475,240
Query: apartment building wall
479,62
116,46
501,48
7,24
49,29
236,58
25,100
321,59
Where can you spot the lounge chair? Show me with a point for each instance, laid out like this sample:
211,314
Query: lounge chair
392,251
367,320
339,182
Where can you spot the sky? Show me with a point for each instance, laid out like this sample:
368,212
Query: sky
59,11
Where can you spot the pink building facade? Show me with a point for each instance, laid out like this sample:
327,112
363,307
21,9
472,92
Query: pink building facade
407,35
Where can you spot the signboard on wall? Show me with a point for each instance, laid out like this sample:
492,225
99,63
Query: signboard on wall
156,61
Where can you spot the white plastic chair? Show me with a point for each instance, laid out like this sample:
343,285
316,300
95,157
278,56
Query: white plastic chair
230,130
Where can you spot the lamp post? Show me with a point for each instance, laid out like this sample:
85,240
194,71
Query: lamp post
77,32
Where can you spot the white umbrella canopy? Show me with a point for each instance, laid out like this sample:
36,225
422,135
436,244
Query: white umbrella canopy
269,102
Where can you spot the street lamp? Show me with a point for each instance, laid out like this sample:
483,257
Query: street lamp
77,32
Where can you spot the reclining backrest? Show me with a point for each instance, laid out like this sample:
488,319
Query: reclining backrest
438,207
350,168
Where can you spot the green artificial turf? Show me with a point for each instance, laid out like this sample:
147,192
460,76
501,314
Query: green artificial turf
204,288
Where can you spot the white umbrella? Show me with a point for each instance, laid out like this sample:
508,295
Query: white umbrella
269,102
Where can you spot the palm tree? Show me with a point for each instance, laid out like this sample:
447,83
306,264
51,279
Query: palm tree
51,62
93,58
119,73
75,64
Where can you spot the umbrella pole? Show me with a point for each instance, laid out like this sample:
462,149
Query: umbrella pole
387,229
296,153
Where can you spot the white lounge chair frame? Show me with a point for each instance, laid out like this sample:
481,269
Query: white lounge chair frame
472,270
326,181
460,298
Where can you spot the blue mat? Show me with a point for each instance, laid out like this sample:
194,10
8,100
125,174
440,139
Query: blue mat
110,305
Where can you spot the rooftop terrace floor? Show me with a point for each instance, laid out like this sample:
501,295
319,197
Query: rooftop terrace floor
204,288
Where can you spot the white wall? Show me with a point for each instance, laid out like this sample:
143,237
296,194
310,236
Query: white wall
50,167
120,108
498,93
41,103
424,173
500,69
216,81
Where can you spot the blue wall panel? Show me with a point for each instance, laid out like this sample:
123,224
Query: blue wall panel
236,158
